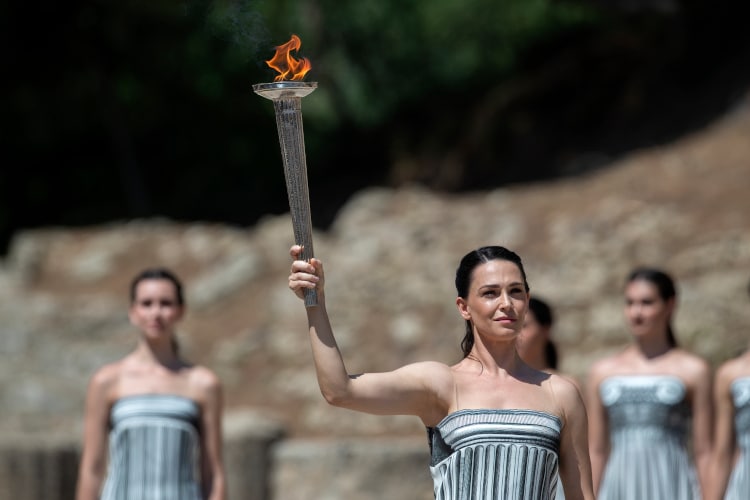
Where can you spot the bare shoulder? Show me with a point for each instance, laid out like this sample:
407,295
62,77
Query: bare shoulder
603,368
205,387
565,389
692,365
431,367
425,369
106,377
731,369
204,379
430,374
433,378
567,397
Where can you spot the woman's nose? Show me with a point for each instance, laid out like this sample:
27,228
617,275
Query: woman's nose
504,300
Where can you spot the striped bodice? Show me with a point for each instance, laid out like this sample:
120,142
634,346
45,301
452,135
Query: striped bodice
154,449
645,408
649,421
495,454
739,482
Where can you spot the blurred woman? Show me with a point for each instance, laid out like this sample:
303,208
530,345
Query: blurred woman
158,415
535,345
731,464
641,402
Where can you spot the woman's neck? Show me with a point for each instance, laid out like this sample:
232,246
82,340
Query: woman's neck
500,357
157,353
652,347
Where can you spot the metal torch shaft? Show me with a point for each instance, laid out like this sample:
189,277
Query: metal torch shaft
292,140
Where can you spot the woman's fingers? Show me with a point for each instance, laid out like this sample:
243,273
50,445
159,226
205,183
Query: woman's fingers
304,274
295,251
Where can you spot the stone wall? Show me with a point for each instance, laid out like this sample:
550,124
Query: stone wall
390,257
260,465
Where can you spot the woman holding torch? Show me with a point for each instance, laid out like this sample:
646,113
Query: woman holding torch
497,428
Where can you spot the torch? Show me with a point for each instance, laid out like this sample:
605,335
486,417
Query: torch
286,92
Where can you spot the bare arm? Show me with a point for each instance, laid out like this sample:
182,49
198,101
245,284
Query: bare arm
212,464
575,466
702,427
411,390
92,467
598,427
724,435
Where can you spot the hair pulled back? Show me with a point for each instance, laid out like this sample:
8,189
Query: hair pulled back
665,286
464,275
159,273
545,317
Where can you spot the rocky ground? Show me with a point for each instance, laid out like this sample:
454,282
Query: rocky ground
390,257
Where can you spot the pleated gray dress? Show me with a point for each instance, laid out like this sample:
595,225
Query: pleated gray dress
738,487
154,449
649,422
495,455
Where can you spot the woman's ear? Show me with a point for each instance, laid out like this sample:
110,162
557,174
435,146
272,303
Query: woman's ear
463,308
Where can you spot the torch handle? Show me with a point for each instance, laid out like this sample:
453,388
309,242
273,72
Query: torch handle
303,237
292,140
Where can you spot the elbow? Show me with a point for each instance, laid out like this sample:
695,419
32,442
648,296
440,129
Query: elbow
335,397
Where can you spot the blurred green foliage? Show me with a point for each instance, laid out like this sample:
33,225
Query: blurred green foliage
118,110
373,57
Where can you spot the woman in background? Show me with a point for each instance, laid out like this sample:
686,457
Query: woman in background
641,402
498,429
731,464
535,345
159,416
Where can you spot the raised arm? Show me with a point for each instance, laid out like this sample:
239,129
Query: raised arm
598,427
419,389
92,467
575,466
724,434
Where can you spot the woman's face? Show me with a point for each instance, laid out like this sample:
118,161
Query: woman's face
645,311
155,308
497,300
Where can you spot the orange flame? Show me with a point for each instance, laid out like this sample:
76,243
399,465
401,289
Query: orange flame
288,67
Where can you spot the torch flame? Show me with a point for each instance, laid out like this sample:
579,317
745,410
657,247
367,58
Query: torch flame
288,67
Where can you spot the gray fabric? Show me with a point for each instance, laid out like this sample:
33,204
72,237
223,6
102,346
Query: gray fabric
154,449
739,482
495,454
649,422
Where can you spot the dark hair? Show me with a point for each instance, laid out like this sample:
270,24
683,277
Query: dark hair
664,284
543,314
464,273
550,355
159,273
542,311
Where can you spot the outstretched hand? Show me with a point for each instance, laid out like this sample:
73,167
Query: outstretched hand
305,274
